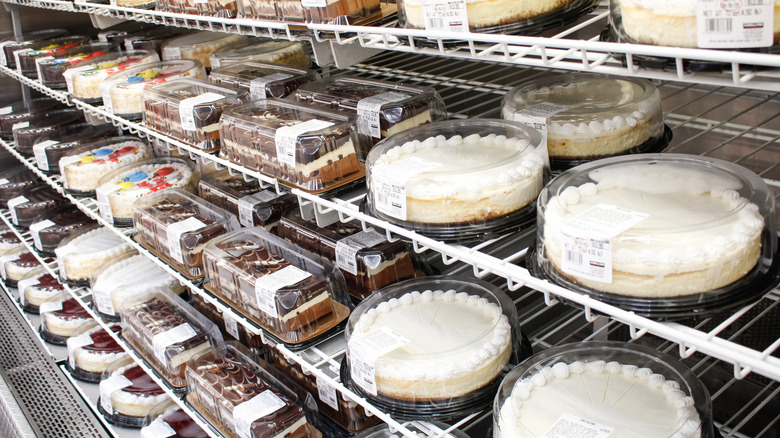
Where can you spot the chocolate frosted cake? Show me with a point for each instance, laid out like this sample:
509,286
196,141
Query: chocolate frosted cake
310,148
291,293
246,200
128,394
50,70
62,318
91,353
13,182
241,399
27,133
27,59
49,148
52,228
21,112
167,331
366,259
263,80
36,288
177,225
32,203
24,41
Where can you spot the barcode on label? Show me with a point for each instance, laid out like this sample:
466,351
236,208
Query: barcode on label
436,23
719,25
574,257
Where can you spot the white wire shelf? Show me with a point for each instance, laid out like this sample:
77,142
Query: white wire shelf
575,47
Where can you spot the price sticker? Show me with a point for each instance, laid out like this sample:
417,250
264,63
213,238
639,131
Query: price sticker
260,406
267,286
286,139
389,184
348,247
445,15
187,109
364,352
369,112
732,24
257,86
39,150
161,341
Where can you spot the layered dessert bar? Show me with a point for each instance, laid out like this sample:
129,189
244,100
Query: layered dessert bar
128,395
122,92
32,203
27,133
382,108
49,148
25,41
21,112
241,399
15,181
83,79
291,54
36,288
80,255
83,167
290,292
258,9
117,280
199,46
176,226
218,8
62,317
118,190
251,204
52,228
189,110
307,147
366,259
91,352
167,332
16,264
339,11
27,59
229,327
173,423
50,71
262,79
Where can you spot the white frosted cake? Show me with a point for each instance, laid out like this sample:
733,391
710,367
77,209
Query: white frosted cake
694,231
82,171
38,287
630,401
668,22
84,79
94,350
487,13
63,317
465,179
458,343
82,255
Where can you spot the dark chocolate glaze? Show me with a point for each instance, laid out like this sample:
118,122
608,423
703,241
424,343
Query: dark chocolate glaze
71,309
142,384
66,222
103,343
183,425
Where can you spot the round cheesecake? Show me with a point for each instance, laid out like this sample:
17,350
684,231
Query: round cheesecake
457,343
632,401
82,255
65,321
37,289
96,352
483,13
140,397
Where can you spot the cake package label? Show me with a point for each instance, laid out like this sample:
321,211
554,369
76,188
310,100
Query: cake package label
365,350
286,138
586,250
246,205
536,116
102,194
326,391
3,260
6,110
38,62
39,150
314,3
445,15
105,91
4,61
231,326
12,204
267,285
176,335
49,306
257,85
102,301
74,343
348,247
3,181
157,429
20,125
35,232
187,109
171,52
259,406
724,24
17,55
174,233
389,188
569,426
369,111
21,285
64,161
108,387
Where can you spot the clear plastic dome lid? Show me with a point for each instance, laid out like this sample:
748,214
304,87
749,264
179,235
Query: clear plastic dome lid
155,72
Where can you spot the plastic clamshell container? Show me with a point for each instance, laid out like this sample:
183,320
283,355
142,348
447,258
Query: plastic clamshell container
16,180
429,428
258,9
251,204
27,59
218,8
240,398
81,254
452,337
366,259
189,110
383,108
262,80
49,148
118,190
84,166
288,53
27,133
50,228
199,46
229,327
555,383
457,178
24,41
344,412
128,394
291,293
122,92
593,116
83,78
91,350
176,225
167,331
37,287
338,12
21,112
50,71
17,264
697,232
160,422
33,202
306,147
117,279
61,317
